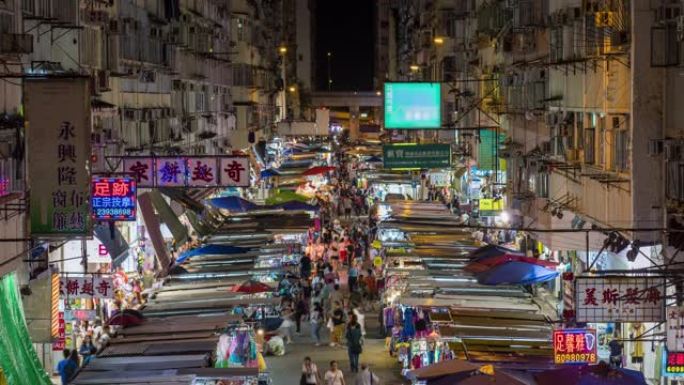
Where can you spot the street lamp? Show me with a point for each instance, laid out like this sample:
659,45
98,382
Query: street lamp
282,50
438,40
329,70
292,89
414,68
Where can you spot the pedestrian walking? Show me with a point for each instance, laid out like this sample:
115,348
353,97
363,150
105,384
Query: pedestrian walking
334,375
310,374
352,277
66,367
366,376
316,319
354,343
300,311
337,321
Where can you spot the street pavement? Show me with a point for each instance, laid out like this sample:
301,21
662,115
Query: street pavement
286,370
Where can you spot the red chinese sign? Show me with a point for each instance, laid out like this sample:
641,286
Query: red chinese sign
86,287
189,171
674,363
574,346
59,343
113,199
620,299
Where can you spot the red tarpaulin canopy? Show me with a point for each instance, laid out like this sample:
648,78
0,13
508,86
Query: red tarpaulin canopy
484,264
318,170
251,287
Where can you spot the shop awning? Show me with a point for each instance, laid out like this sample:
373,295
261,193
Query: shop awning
189,201
180,233
516,273
211,249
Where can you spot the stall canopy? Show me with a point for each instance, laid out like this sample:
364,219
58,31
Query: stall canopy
516,273
284,196
486,263
269,172
491,251
600,374
212,249
296,205
318,170
18,360
233,204
251,286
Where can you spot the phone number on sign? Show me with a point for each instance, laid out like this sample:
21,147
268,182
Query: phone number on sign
575,358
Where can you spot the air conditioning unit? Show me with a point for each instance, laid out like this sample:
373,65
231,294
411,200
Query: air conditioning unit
114,26
103,81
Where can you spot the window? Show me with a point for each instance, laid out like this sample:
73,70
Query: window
589,146
601,139
620,145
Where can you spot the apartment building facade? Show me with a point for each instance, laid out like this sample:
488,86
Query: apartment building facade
574,97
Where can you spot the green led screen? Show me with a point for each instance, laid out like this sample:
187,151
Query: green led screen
413,105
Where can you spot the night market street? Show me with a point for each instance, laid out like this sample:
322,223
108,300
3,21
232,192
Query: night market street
318,192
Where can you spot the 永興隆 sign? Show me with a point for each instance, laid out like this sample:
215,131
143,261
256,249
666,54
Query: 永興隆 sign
113,199
620,299
416,156
574,346
58,134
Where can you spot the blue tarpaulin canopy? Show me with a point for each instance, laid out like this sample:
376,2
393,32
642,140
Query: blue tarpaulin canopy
374,159
269,172
491,251
211,249
516,273
233,204
296,205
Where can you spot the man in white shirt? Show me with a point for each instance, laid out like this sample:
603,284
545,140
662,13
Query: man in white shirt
334,375
310,372
366,377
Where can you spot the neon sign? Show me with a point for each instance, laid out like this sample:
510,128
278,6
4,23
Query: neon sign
574,346
113,199
674,364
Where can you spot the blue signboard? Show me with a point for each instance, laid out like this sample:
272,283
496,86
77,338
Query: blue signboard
113,199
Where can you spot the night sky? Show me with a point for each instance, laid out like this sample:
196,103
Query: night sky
344,28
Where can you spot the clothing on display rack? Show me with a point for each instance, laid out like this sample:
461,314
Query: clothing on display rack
237,349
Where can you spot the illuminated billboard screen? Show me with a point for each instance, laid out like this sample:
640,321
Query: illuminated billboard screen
413,106
113,199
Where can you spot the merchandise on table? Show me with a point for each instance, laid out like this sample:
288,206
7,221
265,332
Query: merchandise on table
237,349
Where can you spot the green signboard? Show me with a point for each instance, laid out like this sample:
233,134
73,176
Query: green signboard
411,156
413,106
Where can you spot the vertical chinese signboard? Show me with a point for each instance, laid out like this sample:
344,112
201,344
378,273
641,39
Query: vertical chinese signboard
58,134
620,299
574,346
113,199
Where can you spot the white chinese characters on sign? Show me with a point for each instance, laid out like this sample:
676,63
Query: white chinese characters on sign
141,169
620,299
675,328
234,171
86,287
203,172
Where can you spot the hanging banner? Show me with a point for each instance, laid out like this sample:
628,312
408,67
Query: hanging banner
86,287
675,328
188,171
574,346
620,299
113,199
58,134
412,156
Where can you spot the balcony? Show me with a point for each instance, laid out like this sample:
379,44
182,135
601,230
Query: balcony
15,43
